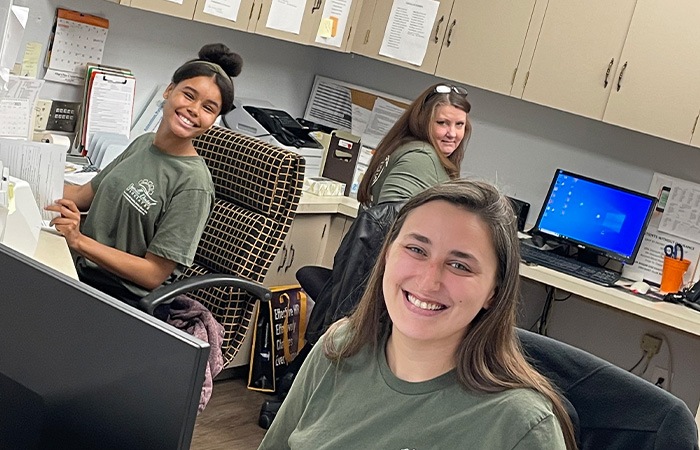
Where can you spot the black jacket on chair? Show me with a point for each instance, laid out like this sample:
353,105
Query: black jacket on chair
352,265
616,410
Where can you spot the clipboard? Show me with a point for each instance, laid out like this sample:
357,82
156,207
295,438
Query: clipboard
109,103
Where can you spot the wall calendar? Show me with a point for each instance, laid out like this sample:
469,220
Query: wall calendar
77,39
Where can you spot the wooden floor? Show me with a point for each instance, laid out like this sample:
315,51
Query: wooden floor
230,420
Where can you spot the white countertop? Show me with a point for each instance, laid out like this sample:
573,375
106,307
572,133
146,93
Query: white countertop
675,316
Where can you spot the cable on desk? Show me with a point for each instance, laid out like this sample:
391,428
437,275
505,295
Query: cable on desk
670,360
646,357
546,311
563,299
638,363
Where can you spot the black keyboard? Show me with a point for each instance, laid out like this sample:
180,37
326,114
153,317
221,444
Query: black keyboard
569,266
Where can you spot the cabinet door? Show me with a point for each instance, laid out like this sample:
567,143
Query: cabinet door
206,12
336,7
183,10
484,41
657,87
577,55
307,236
695,140
340,224
372,23
308,10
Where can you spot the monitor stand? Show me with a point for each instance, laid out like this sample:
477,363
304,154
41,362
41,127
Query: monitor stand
593,259
587,257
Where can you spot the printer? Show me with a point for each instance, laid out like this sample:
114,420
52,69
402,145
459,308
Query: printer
260,119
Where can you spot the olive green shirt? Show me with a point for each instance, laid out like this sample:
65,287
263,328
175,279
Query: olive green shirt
411,168
149,201
361,404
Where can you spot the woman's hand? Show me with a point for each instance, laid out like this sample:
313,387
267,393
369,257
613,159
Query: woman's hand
68,224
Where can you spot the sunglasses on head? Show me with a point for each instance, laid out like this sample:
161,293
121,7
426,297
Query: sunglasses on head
446,89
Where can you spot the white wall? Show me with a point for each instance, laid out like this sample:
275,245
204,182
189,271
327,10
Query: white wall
514,143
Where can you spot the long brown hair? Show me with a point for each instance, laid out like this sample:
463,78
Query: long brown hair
414,125
489,358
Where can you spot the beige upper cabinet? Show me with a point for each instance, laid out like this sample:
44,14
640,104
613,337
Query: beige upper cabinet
208,11
341,35
184,10
484,41
695,140
278,19
371,25
657,85
577,55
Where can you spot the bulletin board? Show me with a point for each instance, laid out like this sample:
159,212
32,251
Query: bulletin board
363,112
675,221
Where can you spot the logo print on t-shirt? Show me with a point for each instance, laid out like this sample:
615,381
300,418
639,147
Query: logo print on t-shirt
140,196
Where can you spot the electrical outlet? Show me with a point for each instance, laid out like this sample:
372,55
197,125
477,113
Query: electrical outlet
42,110
651,344
660,377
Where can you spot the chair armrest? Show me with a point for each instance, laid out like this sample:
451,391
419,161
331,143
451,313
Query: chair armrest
164,294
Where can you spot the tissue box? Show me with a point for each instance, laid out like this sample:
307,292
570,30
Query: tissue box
323,186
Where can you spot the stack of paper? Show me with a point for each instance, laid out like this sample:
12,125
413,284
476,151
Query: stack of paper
109,104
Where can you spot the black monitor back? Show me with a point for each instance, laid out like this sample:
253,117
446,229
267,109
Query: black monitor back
79,369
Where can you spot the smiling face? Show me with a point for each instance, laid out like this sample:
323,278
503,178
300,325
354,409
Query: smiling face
439,273
447,128
191,107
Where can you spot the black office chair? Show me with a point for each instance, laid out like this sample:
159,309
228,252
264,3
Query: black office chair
616,410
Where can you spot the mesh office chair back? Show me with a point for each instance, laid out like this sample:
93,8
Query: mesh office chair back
258,187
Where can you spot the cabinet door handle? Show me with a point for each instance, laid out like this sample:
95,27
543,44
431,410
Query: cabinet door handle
317,5
291,258
284,258
607,73
323,233
619,79
449,32
437,28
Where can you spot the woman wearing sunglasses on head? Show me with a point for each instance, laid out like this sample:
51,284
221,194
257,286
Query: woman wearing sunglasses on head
425,147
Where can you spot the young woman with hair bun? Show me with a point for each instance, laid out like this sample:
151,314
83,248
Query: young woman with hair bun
147,209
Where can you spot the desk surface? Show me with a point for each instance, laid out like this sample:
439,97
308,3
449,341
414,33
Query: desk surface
675,316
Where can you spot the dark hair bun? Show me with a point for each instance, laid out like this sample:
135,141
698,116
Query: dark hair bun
231,62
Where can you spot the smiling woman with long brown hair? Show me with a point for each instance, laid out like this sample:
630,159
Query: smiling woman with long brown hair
430,358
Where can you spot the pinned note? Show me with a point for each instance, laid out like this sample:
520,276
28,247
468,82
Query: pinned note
334,19
328,27
30,61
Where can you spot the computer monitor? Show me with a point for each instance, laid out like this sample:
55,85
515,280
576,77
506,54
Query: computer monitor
596,217
79,369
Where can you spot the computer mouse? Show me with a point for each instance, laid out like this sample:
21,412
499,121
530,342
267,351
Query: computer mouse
639,287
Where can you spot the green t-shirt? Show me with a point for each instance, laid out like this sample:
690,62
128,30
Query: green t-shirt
411,169
148,201
360,404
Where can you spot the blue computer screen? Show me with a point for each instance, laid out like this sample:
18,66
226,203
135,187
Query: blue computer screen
598,215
